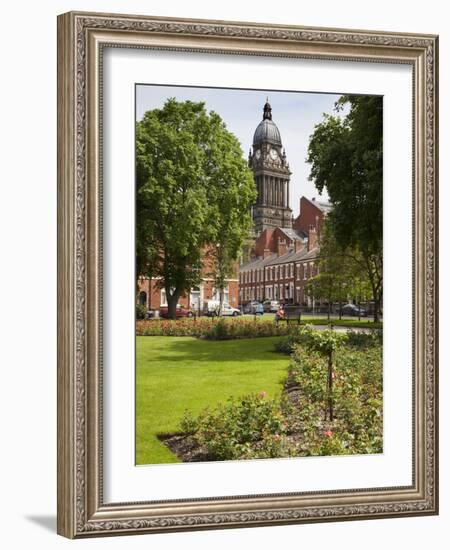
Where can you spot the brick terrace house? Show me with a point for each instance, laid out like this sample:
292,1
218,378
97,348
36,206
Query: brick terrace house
153,297
284,259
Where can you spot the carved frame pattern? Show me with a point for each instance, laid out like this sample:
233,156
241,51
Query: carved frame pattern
81,37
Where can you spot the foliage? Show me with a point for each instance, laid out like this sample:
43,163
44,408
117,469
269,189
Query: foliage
365,339
346,157
248,427
357,398
341,272
141,311
211,328
189,170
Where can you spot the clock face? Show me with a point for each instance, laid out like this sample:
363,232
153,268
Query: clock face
258,153
273,154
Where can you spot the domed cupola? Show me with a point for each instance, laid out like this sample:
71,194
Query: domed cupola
267,130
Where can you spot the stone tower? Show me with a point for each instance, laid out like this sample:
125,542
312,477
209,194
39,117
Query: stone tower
272,175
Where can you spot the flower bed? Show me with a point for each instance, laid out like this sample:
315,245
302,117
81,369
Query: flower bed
300,423
211,328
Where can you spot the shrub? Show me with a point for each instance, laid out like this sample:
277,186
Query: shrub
211,328
357,423
249,427
141,311
365,339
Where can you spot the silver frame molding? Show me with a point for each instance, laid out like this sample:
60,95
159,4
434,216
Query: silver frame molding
81,38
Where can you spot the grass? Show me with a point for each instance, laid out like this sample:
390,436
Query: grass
178,373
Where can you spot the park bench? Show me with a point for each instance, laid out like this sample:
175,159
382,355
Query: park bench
292,313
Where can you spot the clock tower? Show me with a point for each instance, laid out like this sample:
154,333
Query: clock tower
272,175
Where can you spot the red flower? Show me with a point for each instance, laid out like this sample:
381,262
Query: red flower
328,433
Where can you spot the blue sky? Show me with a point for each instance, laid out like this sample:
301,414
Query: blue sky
295,114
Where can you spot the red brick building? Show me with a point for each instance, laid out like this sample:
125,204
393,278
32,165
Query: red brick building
153,296
284,259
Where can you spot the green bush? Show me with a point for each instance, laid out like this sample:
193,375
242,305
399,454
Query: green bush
357,425
141,311
249,427
211,328
365,339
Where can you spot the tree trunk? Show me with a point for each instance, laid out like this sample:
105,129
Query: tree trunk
221,293
376,317
172,301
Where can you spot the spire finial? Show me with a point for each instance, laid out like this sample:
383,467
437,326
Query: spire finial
267,110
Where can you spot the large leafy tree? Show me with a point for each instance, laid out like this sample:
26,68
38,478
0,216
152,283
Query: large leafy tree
194,190
345,153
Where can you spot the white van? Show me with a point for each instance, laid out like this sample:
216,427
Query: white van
212,309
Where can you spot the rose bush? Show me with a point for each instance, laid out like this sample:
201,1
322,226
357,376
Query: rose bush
250,427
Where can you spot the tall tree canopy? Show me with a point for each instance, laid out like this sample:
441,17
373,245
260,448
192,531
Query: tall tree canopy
194,191
346,157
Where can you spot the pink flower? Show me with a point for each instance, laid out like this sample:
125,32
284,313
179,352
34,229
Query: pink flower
277,437
333,375
328,433
262,394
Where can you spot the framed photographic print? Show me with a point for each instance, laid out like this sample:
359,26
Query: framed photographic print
247,286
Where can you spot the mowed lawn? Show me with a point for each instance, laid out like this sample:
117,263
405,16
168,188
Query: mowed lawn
178,373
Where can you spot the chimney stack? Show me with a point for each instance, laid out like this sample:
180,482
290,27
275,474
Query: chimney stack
281,247
298,246
312,238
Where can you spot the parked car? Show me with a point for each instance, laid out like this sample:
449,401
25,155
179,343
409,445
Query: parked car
251,307
272,306
181,312
354,310
212,309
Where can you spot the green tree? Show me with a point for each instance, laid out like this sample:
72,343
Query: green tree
345,154
341,274
188,167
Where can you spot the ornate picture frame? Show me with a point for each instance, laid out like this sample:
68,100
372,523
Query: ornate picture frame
82,38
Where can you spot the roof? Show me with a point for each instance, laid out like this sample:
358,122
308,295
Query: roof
323,206
293,234
267,130
274,259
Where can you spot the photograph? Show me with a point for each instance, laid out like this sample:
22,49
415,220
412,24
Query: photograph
258,274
